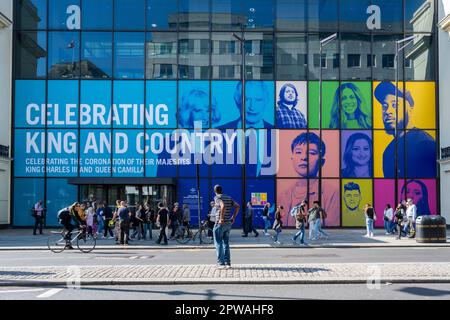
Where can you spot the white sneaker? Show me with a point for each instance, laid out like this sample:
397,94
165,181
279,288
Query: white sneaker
371,235
366,236
267,234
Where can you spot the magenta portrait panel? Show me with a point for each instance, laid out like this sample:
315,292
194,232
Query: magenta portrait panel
384,194
362,158
422,192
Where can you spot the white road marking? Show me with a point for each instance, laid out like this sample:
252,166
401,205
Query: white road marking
135,257
19,291
49,293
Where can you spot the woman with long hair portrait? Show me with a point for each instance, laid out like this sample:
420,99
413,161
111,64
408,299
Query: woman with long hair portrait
354,108
358,157
418,192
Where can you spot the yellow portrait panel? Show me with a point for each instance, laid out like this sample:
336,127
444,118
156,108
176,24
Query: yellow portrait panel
355,194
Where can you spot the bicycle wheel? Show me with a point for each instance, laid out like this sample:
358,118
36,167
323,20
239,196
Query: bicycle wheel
56,242
86,243
184,237
204,236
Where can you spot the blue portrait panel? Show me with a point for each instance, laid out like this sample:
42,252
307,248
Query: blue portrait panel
29,153
225,110
161,108
128,104
233,188
226,155
60,194
95,153
261,153
259,104
29,101
259,192
356,154
95,104
62,153
191,150
128,153
193,104
292,104
62,104
27,192
160,145
420,154
187,194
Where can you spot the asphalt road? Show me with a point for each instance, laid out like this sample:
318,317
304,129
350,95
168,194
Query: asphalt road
232,292
239,256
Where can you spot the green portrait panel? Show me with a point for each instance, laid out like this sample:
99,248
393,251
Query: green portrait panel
355,194
328,91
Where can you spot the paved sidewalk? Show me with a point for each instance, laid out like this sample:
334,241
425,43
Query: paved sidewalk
239,274
22,239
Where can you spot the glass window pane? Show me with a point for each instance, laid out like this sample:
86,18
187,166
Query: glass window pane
292,57
162,14
259,56
31,14
384,51
31,55
129,14
60,194
194,55
161,52
97,14
391,15
96,55
259,14
322,15
419,59
129,55
193,104
354,51
330,59
353,16
63,54
96,160
194,15
419,15
227,15
291,15
226,57
60,19
27,192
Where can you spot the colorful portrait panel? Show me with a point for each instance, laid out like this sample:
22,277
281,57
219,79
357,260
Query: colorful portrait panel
193,104
356,154
291,104
384,194
225,107
355,194
298,154
329,89
422,192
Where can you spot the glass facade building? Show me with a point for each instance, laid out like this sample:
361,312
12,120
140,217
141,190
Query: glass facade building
132,99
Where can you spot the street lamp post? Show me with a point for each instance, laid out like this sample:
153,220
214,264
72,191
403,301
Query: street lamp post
242,45
323,43
399,47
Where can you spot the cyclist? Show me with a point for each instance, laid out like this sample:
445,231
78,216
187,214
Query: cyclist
66,216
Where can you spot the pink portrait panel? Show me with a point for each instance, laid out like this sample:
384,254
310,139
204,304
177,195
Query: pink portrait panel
422,192
285,162
384,194
332,154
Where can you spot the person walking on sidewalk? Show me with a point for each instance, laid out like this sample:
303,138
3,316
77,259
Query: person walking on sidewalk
388,217
370,215
399,217
222,228
124,221
186,221
38,215
322,215
313,214
266,218
411,215
300,222
249,214
174,217
278,224
162,219
150,221
105,213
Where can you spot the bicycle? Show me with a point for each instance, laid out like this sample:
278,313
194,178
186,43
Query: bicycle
202,233
57,241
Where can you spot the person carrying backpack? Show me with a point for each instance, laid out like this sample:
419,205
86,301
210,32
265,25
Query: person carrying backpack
300,221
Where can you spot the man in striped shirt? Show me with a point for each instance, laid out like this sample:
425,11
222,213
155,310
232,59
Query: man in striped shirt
222,228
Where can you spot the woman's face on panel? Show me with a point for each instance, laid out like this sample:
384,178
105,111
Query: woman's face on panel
349,102
361,152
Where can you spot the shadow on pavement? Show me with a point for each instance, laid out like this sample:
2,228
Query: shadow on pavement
425,292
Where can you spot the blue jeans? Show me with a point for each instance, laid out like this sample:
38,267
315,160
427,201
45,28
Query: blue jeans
388,226
318,228
101,226
301,234
148,227
222,243
369,225
277,232
266,224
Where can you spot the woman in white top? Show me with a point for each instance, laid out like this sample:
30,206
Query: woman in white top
388,219
90,216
